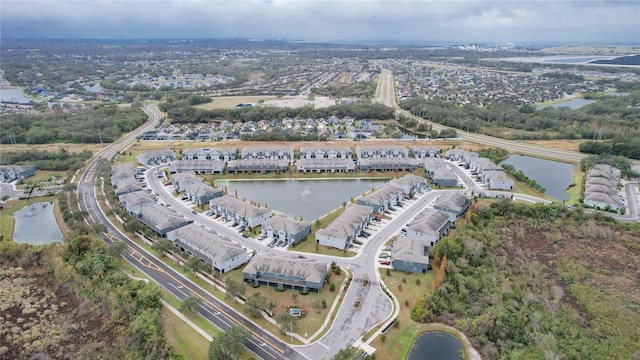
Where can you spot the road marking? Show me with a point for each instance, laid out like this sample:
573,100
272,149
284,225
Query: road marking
325,346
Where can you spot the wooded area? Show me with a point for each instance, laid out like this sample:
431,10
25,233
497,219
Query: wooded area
611,116
100,124
538,281
184,114
46,160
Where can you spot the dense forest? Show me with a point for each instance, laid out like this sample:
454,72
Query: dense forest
183,114
536,281
101,124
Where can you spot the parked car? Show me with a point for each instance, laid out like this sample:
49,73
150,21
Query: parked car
385,262
168,183
194,212
245,236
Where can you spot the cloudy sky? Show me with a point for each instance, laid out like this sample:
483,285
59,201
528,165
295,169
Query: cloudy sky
577,21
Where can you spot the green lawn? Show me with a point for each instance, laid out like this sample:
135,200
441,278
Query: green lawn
397,343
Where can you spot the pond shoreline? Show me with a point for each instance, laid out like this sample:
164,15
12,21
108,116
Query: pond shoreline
470,352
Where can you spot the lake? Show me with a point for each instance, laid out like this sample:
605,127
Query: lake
572,104
436,345
13,95
552,175
36,224
309,199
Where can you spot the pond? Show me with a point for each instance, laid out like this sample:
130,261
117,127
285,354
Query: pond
436,345
309,199
572,104
36,224
12,95
554,176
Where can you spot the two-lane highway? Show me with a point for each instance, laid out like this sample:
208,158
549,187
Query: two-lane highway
261,343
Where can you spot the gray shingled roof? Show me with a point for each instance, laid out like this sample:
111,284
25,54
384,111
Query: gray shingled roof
410,249
202,189
283,223
308,269
221,249
161,217
344,225
382,195
239,207
429,222
456,201
410,180
136,198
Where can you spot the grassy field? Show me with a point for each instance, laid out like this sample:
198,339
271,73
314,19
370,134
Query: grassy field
405,288
69,147
183,339
313,318
575,192
230,102
42,177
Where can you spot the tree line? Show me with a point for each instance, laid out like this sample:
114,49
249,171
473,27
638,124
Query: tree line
184,114
100,124
609,117
512,304
61,160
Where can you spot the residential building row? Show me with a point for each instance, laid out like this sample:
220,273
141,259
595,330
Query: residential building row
216,251
601,188
411,252
256,159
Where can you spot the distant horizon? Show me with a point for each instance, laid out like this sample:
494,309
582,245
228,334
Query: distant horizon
329,21
370,42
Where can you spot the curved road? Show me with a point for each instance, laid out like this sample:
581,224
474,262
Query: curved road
261,343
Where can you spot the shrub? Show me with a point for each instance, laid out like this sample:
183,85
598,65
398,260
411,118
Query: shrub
332,287
383,337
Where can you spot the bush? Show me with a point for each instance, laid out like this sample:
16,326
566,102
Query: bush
383,337
332,287
279,289
396,323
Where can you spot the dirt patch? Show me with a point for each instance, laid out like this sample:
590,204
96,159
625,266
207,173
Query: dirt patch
41,317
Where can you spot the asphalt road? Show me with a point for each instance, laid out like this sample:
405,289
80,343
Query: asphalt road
349,323
261,343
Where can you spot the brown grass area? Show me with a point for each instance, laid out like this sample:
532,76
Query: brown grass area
41,317
611,257
571,145
73,148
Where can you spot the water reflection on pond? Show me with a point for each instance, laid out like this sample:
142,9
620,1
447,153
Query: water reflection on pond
36,224
435,345
554,176
310,199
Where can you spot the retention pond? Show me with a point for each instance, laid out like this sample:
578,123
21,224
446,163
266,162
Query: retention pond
436,345
36,224
309,199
